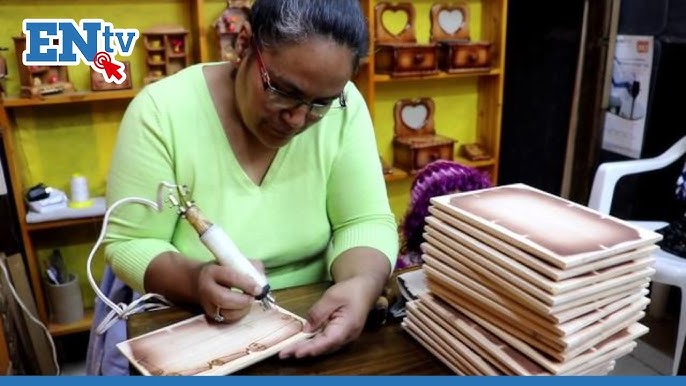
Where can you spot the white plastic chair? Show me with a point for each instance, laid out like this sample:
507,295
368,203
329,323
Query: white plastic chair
670,270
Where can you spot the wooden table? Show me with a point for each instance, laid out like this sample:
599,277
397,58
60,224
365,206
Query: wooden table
386,350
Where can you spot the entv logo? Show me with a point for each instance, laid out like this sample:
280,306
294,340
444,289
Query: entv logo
62,42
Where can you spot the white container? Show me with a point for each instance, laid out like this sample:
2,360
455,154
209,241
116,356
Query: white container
80,196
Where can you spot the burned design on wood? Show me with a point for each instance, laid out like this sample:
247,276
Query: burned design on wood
552,223
196,346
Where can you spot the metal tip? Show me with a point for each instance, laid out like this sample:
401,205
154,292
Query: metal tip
267,301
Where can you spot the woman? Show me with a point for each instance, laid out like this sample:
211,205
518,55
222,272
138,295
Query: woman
278,149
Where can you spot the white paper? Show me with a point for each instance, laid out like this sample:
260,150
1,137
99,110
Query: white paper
626,114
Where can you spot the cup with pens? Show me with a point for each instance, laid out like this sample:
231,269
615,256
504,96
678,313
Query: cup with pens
63,290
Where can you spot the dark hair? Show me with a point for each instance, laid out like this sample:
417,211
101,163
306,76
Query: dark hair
435,179
280,22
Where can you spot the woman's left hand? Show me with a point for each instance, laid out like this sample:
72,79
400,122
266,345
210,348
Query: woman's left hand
340,315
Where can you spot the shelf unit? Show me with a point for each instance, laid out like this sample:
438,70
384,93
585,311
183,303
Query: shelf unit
196,14
483,90
166,51
29,230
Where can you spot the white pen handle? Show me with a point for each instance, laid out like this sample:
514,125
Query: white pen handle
228,254
225,250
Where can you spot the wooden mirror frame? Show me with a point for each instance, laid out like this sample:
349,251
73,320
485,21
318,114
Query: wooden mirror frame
438,33
401,129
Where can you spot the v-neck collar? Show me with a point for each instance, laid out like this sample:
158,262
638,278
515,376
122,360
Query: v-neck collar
241,176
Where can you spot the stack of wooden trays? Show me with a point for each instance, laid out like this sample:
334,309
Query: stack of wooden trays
522,282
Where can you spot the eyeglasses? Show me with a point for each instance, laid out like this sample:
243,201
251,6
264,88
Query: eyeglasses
281,100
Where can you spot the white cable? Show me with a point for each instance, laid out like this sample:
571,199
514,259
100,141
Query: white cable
33,318
122,310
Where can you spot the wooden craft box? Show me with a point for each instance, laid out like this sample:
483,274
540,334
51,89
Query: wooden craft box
415,143
450,30
406,59
399,54
39,81
457,56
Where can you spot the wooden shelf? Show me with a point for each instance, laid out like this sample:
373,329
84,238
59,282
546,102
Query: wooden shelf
38,226
395,175
475,164
381,78
70,97
82,325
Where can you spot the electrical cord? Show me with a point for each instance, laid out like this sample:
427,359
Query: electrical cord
30,315
122,310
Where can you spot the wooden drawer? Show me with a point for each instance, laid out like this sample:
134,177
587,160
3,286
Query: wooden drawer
459,56
400,59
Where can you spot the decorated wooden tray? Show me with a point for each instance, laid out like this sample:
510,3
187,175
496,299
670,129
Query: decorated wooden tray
522,264
495,356
558,231
509,355
528,327
521,288
197,346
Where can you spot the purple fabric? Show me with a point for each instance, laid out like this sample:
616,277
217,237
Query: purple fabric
438,178
103,357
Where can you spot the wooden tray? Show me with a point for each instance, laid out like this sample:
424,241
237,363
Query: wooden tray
558,231
196,346
589,312
559,349
421,318
465,244
464,270
439,246
520,357
450,346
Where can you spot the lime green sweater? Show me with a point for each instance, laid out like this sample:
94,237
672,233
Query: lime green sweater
323,194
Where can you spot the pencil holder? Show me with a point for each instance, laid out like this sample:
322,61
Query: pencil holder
66,303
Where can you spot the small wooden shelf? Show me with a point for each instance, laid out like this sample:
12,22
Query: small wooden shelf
395,175
82,325
381,78
38,226
70,97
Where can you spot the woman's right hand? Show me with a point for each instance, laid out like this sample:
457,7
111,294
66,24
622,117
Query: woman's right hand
216,296
183,280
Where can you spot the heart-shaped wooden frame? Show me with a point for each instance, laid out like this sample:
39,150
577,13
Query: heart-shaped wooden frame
440,31
394,21
414,117
383,34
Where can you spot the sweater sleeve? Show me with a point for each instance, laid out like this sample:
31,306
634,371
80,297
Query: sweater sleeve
357,201
142,159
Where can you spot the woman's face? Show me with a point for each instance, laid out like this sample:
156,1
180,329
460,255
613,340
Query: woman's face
280,92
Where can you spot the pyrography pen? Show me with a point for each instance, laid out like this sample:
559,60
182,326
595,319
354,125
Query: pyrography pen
220,244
